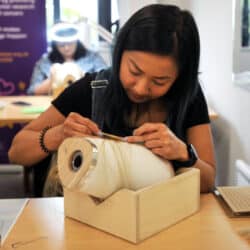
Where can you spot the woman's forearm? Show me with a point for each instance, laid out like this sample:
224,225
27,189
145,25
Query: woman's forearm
207,176
26,149
44,88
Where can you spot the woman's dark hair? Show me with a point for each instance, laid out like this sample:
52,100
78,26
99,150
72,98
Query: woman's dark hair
163,30
56,57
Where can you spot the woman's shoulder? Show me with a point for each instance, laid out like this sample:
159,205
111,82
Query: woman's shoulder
199,96
104,74
197,112
92,54
77,97
84,83
44,59
82,87
86,80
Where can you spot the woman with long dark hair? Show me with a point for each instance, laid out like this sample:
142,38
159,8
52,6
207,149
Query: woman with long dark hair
153,96
65,47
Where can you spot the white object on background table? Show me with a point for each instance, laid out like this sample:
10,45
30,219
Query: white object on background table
10,209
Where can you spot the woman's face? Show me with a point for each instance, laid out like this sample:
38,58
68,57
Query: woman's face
146,76
67,50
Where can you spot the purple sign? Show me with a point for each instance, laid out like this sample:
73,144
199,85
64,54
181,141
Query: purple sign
22,42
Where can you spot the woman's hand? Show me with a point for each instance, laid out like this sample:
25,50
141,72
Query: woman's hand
160,140
77,125
44,88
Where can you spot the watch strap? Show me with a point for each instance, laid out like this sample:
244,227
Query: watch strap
193,156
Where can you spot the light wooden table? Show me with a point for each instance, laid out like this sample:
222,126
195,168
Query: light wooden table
212,114
42,226
12,113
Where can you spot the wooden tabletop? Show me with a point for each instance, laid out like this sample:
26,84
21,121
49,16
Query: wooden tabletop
212,114
42,226
14,113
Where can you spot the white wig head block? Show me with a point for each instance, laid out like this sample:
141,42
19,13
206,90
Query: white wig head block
100,167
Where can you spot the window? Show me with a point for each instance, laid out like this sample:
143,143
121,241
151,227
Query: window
83,13
74,10
245,23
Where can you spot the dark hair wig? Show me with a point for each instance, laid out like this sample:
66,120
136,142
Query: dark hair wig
56,57
163,30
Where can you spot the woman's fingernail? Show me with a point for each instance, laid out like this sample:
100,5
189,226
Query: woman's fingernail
99,133
125,139
140,142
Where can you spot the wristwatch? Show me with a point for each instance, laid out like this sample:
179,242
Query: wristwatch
193,157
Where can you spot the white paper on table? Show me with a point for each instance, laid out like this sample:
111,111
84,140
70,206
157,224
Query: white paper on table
10,209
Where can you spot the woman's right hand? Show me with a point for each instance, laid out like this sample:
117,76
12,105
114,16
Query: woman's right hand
77,125
25,148
44,88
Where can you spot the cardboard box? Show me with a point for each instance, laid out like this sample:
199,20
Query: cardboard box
136,215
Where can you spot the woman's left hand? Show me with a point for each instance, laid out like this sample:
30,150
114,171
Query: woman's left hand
160,140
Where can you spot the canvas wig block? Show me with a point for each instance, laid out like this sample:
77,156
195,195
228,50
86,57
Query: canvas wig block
99,167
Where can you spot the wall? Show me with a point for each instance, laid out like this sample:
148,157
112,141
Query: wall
128,7
231,130
241,55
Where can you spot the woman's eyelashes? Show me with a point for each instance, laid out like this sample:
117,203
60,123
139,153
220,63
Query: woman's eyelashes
158,83
135,72
139,73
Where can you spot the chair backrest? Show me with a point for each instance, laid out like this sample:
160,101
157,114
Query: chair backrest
40,172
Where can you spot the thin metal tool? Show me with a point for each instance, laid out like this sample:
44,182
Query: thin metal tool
117,138
113,137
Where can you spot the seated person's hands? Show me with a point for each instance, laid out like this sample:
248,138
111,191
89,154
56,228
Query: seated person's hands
62,75
77,125
160,140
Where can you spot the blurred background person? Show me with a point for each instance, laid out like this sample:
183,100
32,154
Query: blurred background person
65,47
